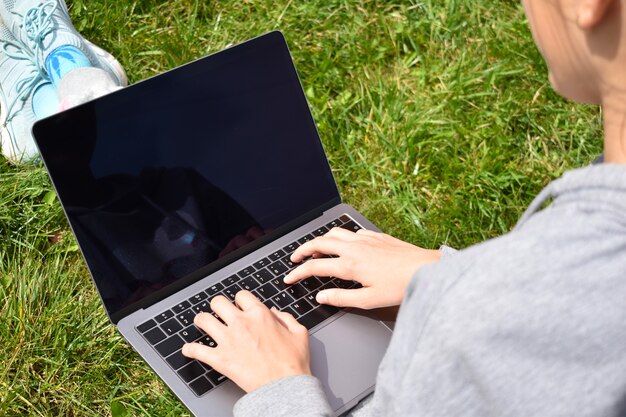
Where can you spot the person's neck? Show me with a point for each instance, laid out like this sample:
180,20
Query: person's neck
614,120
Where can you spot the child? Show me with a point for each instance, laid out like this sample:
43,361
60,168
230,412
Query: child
529,324
45,66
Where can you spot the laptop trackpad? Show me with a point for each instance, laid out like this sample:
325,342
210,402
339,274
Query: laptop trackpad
345,356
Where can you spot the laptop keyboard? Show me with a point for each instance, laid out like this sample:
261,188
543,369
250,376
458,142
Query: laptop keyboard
169,330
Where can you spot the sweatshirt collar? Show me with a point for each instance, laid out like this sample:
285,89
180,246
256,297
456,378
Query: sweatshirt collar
602,184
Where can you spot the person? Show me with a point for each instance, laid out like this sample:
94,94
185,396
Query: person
45,66
532,323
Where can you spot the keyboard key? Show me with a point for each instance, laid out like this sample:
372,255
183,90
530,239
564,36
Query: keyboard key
246,271
291,247
190,334
267,291
282,300
263,276
207,341
248,283
171,326
276,255
327,309
215,377
314,317
214,289
320,231
311,299
328,283
203,307
197,298
178,360
351,226
155,335
168,346
279,283
334,223
186,318
277,268
166,315
191,371
301,307
231,291
287,261
290,311
297,290
231,280
262,263
311,283
200,386
342,283
269,303
344,218
179,308
144,327
306,238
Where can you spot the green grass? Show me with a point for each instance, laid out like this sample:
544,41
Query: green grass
436,116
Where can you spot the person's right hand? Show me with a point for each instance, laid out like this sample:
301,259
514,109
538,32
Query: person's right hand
382,264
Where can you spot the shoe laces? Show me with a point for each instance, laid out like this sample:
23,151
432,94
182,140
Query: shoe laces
37,23
25,86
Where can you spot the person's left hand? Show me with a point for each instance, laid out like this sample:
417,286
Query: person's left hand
255,346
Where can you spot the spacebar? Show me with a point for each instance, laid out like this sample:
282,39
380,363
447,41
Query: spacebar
315,317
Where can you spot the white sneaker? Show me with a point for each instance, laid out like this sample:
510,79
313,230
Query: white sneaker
19,78
44,26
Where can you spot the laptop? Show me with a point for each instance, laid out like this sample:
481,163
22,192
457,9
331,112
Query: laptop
202,181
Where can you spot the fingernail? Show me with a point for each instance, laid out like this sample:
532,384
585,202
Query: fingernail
285,279
321,297
184,350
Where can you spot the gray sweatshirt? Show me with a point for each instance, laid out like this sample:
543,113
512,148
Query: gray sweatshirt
532,323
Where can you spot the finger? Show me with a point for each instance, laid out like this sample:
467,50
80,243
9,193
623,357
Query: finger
360,297
224,308
329,244
366,232
341,233
211,326
287,320
200,352
325,267
245,300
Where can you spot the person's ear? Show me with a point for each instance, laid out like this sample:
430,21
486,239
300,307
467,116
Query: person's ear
591,12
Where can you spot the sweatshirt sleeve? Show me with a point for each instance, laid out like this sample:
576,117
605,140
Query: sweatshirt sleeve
299,395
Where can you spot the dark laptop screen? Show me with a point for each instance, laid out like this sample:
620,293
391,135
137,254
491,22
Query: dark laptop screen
182,170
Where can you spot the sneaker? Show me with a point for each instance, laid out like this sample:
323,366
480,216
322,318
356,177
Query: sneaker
45,26
19,78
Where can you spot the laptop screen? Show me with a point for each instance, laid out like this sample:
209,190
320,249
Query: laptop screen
175,173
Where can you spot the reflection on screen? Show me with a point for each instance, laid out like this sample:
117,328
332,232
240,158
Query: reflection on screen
171,174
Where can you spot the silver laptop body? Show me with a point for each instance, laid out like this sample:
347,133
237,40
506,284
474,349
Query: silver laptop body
181,187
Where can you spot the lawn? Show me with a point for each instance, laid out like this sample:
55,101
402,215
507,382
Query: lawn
436,115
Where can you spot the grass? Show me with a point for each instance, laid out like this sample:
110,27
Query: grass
436,116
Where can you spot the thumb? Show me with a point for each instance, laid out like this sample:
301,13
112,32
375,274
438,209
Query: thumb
360,297
286,319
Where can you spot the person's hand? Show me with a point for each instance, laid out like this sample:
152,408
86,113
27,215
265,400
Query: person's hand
255,346
382,264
